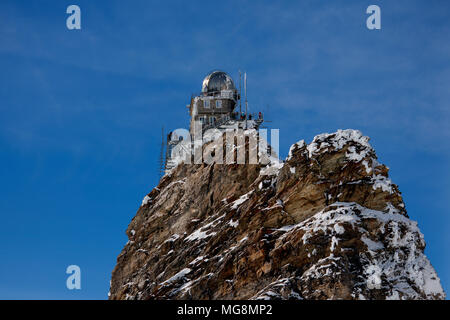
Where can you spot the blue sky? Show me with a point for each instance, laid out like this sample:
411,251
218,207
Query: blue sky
81,112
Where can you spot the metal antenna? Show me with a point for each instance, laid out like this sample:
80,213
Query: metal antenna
240,95
246,102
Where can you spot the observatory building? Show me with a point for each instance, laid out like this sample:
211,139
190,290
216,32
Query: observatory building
216,106
217,101
219,106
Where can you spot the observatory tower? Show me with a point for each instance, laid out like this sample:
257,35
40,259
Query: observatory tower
216,103
215,107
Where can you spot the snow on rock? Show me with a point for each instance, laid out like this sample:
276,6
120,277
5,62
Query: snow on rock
145,201
173,238
381,182
297,145
197,260
336,141
200,234
329,224
393,261
178,276
234,224
204,232
241,200
358,150
278,290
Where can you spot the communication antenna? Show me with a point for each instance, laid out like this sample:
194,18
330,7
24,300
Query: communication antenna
246,102
240,94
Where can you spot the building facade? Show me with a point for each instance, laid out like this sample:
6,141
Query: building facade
216,103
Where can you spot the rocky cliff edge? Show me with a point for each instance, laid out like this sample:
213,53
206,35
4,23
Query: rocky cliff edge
327,223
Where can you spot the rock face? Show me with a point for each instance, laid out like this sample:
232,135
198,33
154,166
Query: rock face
327,223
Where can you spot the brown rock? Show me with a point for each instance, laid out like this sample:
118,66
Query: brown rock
328,225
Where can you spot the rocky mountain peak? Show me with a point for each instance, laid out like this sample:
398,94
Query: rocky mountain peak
326,223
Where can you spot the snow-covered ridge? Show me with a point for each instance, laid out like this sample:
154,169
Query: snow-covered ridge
299,144
336,141
358,150
394,260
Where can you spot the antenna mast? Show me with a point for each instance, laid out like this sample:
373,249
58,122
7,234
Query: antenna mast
246,102
240,95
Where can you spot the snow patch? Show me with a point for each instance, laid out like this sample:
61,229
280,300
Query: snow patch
234,224
145,201
241,200
177,277
299,144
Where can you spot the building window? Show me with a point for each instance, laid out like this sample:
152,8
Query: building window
218,103
212,120
206,104
202,120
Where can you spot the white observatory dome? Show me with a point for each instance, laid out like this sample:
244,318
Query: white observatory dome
217,81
